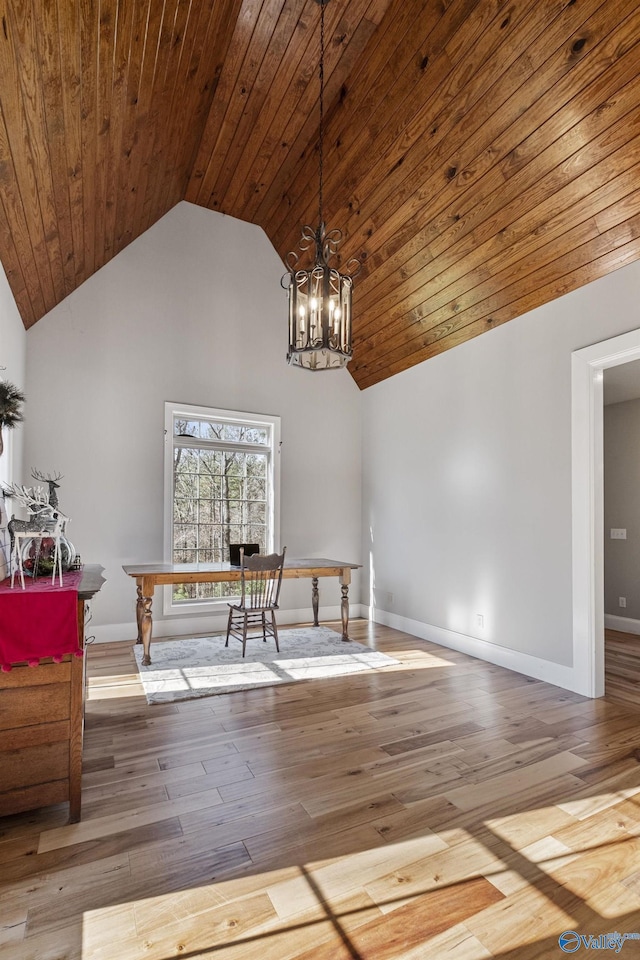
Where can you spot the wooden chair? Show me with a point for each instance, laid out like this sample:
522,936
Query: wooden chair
261,577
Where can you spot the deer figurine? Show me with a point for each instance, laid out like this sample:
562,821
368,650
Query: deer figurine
45,520
46,523
52,483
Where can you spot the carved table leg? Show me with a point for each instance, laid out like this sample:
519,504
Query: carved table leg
344,609
145,630
139,612
146,587
315,598
345,580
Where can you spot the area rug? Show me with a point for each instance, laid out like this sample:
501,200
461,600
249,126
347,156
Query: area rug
204,667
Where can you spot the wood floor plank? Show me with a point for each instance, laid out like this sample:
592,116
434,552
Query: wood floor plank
437,870
314,850
202,910
203,832
99,786
354,871
520,830
445,809
514,781
29,866
122,803
411,926
321,828
43,892
622,667
13,923
456,943
105,826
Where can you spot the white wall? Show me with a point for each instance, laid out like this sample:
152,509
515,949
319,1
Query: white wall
12,358
467,484
13,346
191,312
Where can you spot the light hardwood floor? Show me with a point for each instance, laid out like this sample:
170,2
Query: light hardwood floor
622,667
443,808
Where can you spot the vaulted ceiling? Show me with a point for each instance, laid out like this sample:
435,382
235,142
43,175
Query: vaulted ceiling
482,156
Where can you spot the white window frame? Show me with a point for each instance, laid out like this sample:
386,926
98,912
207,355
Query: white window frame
186,411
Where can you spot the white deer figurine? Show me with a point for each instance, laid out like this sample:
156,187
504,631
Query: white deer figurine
45,524
45,521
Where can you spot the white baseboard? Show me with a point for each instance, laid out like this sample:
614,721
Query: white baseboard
217,623
555,673
624,624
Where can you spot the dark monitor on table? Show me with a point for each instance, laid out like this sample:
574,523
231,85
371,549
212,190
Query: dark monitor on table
234,552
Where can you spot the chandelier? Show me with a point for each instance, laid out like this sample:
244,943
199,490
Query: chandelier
319,295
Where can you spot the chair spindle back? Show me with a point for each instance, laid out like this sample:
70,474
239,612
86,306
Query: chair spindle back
261,580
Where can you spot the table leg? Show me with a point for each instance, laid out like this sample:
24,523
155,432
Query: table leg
146,623
315,598
344,609
145,628
345,580
139,606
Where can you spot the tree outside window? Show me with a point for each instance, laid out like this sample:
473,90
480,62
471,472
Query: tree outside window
222,490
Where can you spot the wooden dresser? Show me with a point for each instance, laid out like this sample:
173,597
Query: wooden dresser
42,722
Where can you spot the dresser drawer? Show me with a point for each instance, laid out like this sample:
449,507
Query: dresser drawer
27,766
26,704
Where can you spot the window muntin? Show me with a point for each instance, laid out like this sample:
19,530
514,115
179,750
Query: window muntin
222,488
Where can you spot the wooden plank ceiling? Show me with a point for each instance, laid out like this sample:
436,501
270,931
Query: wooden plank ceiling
481,156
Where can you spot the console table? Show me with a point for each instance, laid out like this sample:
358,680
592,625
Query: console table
42,716
149,575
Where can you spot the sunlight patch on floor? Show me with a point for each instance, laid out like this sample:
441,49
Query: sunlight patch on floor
114,688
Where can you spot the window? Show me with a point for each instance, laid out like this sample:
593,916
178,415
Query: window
221,487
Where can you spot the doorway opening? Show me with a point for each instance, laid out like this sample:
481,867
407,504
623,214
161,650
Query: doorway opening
587,459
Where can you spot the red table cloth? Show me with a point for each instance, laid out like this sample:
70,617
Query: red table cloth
39,621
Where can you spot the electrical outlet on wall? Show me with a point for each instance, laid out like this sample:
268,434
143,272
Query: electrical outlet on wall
618,533
622,601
